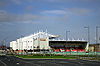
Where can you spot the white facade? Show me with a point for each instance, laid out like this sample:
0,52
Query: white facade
13,44
39,40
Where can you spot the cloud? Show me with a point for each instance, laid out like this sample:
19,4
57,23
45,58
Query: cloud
5,17
55,18
4,3
61,18
99,11
70,0
2,12
52,0
79,11
61,15
69,11
29,18
16,1
53,12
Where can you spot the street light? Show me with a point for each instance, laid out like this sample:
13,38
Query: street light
67,36
97,34
88,36
88,33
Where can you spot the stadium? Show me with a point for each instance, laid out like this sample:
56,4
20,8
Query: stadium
43,41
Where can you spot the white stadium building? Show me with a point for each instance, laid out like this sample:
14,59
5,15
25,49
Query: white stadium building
35,41
43,41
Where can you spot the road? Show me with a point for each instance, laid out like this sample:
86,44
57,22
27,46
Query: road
13,61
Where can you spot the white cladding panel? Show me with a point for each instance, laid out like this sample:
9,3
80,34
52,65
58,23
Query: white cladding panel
14,45
11,45
36,43
29,44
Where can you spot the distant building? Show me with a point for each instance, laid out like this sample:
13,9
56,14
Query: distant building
94,47
2,47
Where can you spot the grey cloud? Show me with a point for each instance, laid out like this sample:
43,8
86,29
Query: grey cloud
80,11
2,12
70,0
99,11
27,18
20,2
4,3
5,17
16,1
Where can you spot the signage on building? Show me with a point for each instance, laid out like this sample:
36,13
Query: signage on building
42,39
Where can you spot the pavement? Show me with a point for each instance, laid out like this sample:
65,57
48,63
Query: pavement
14,61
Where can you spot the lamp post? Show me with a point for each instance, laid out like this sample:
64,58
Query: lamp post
66,37
97,34
88,36
21,44
96,38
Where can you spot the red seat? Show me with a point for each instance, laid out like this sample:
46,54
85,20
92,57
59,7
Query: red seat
67,50
55,50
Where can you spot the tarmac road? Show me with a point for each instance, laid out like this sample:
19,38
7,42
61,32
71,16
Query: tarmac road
13,61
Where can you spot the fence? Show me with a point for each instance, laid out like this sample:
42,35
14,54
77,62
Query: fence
76,53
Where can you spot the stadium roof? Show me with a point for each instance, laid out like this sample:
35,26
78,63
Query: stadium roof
35,35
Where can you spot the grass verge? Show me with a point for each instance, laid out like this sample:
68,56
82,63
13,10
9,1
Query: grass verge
39,56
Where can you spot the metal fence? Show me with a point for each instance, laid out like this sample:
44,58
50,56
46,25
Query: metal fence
75,53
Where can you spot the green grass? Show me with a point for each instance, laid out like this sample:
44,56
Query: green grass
39,56
52,56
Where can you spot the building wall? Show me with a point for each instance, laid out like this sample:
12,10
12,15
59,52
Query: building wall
97,48
13,45
94,47
91,49
44,43
28,44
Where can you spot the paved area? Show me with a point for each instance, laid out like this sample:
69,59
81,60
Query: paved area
13,61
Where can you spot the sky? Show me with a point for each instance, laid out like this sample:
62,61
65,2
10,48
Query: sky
24,17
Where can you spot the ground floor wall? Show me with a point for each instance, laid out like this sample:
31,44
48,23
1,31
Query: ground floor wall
27,51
